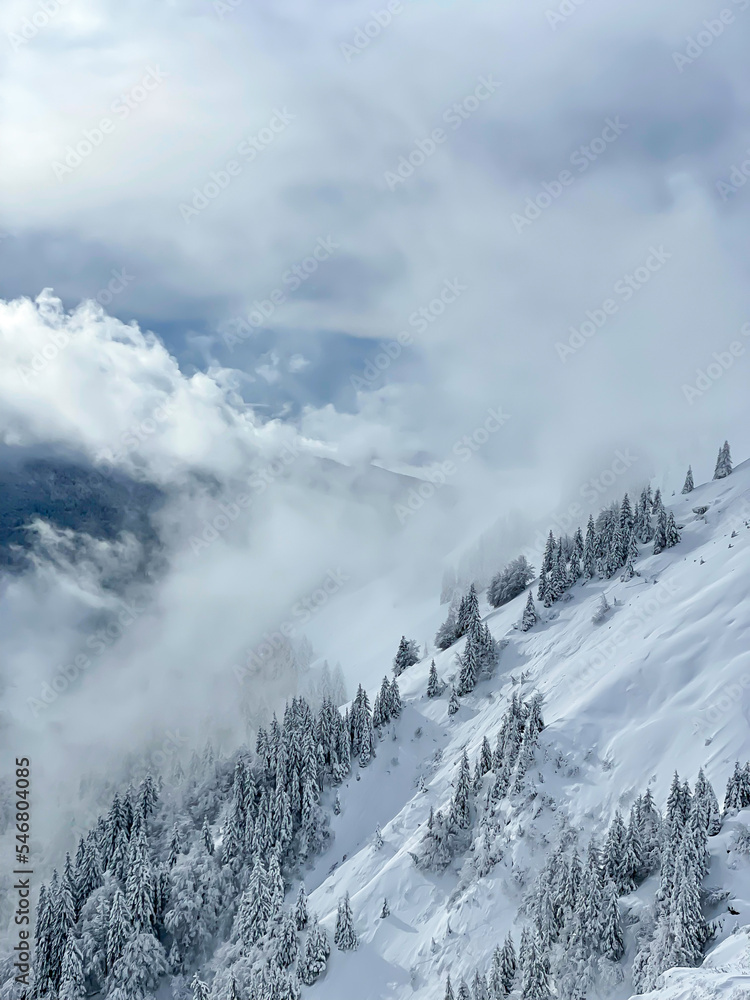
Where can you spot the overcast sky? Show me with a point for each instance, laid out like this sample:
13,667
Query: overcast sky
540,209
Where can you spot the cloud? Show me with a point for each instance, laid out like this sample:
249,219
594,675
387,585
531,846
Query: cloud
313,135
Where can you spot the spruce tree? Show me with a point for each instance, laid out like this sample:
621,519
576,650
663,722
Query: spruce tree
549,553
461,802
612,941
705,794
345,937
433,684
287,946
468,612
254,910
529,619
535,972
507,965
723,462
589,551
120,928
632,555
447,634
464,993
660,534
208,840
315,954
406,656
453,704
201,990
300,908
448,988
72,980
672,534
689,484
386,910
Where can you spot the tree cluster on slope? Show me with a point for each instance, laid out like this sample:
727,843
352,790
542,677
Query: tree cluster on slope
575,928
510,582
167,876
449,831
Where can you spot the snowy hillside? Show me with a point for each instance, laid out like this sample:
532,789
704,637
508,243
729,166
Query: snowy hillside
662,683
455,820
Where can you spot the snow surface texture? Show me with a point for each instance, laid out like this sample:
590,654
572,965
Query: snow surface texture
662,683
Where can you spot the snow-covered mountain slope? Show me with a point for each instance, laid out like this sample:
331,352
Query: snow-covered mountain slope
658,682
663,683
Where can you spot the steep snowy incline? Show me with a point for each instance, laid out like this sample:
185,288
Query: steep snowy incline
663,683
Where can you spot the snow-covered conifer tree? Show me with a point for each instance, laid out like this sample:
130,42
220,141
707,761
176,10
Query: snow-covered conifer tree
723,462
315,954
453,703
300,908
406,655
689,484
287,945
530,618
672,534
345,937
72,980
611,933
433,683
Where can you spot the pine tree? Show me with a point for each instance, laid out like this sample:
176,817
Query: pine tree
433,684
345,937
448,989
723,462
689,484
530,618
